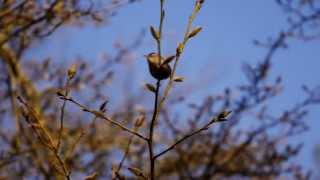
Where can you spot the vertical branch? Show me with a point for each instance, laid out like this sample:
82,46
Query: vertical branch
13,93
152,124
33,119
162,15
157,106
155,110
66,93
19,79
70,75
179,51
127,149
125,155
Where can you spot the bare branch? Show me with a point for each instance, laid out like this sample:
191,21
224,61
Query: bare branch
102,116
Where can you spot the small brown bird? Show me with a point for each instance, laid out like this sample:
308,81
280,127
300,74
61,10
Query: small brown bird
158,70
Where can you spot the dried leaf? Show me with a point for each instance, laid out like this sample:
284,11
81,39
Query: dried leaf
137,172
60,94
223,115
168,59
35,125
198,5
103,105
139,121
119,176
72,71
200,1
178,79
155,34
150,87
194,32
180,48
92,176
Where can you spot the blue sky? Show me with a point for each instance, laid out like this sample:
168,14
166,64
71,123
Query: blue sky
229,27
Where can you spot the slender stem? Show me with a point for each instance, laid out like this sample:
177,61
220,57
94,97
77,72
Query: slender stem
158,106
62,113
151,133
12,92
126,153
44,138
155,110
102,116
160,30
63,165
203,128
184,42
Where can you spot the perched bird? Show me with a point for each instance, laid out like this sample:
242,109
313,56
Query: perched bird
158,70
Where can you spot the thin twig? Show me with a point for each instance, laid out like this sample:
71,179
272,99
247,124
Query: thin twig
102,116
35,126
63,165
178,55
152,124
162,15
62,113
155,110
126,153
205,127
157,105
76,142
9,11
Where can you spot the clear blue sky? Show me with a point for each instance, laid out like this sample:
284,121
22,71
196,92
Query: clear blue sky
225,43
